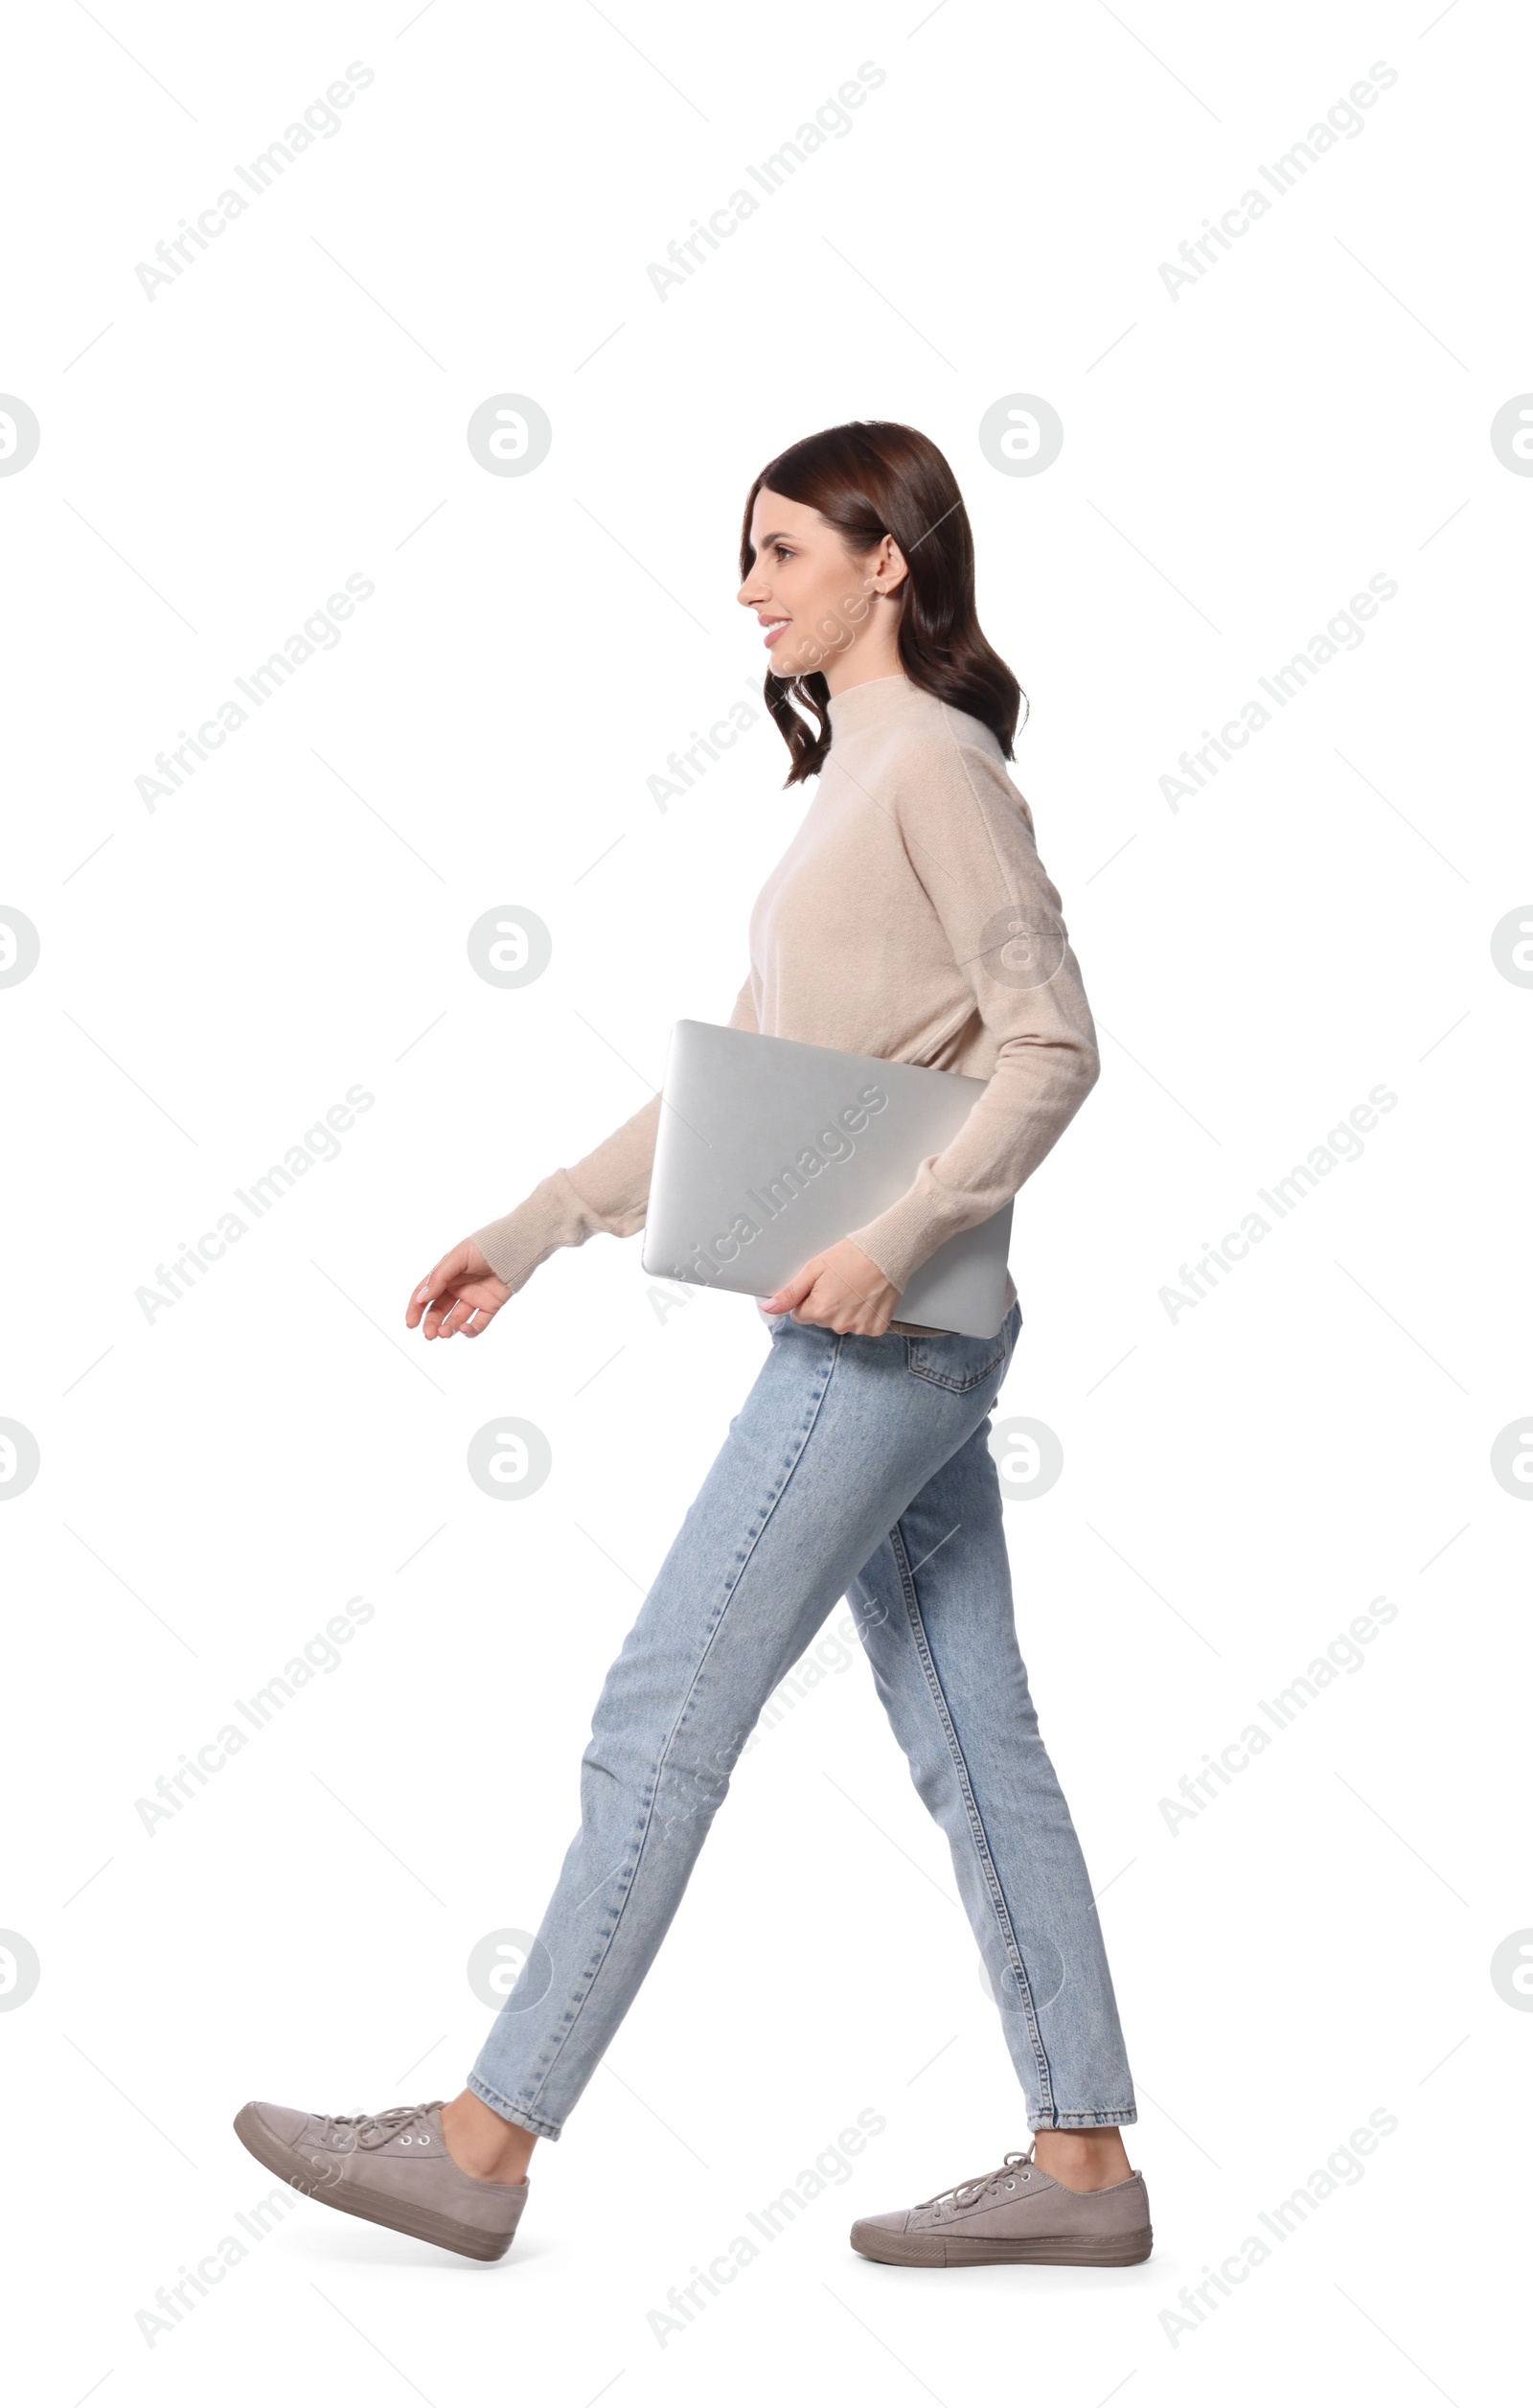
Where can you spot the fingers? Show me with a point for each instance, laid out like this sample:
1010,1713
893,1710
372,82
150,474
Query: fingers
463,1313
460,1278
793,1292
831,1303
460,1293
825,1305
437,1314
435,1284
842,1290
824,1296
850,1296
812,1305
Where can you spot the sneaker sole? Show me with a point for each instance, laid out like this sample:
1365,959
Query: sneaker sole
420,2223
934,2249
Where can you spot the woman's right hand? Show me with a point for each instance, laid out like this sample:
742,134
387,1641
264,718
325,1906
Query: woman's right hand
462,1292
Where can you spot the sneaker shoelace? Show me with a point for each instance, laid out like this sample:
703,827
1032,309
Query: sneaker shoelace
372,2132
964,2194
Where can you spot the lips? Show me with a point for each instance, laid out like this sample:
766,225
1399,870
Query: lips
773,628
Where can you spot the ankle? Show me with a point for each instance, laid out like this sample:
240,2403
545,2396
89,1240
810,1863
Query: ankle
1090,2160
482,2144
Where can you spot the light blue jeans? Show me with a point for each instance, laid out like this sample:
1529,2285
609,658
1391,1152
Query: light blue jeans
857,1467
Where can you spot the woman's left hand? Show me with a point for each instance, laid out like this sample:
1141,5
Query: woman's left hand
839,1290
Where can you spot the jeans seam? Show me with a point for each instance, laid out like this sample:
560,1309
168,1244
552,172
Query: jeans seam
647,1817
943,1379
976,1828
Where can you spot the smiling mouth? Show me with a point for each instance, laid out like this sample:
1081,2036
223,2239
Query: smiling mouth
773,627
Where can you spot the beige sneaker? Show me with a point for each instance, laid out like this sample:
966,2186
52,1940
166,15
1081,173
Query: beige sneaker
1016,2216
393,2168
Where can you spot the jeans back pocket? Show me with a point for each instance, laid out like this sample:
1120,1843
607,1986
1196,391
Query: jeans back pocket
959,1363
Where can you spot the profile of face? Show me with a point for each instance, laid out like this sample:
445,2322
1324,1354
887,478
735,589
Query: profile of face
813,597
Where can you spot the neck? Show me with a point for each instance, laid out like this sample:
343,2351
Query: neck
862,664
872,699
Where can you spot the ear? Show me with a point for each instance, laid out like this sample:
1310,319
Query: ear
888,569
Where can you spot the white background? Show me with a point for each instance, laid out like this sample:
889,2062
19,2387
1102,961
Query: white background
1237,1483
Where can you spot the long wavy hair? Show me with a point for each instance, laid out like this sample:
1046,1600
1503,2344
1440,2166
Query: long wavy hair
872,478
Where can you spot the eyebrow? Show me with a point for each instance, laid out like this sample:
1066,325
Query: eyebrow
778,535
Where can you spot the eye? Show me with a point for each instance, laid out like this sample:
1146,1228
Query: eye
782,551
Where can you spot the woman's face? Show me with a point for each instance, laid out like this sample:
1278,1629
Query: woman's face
811,596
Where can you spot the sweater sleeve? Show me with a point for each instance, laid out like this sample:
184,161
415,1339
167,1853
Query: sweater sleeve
969,836
606,1189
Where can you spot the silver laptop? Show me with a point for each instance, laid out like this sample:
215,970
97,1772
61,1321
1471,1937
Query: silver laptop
770,1151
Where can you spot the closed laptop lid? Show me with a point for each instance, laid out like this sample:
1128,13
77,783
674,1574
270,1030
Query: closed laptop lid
770,1150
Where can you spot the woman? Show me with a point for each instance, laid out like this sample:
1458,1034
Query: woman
910,918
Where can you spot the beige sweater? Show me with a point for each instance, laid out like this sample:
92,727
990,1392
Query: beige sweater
911,918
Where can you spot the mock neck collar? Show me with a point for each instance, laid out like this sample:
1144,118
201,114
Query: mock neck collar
876,698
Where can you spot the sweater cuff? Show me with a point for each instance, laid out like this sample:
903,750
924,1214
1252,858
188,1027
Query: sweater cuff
555,1214
901,1239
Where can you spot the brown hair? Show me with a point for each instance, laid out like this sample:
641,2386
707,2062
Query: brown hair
872,478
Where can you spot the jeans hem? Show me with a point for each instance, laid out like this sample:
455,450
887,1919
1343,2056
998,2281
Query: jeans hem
512,2114
1088,2121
